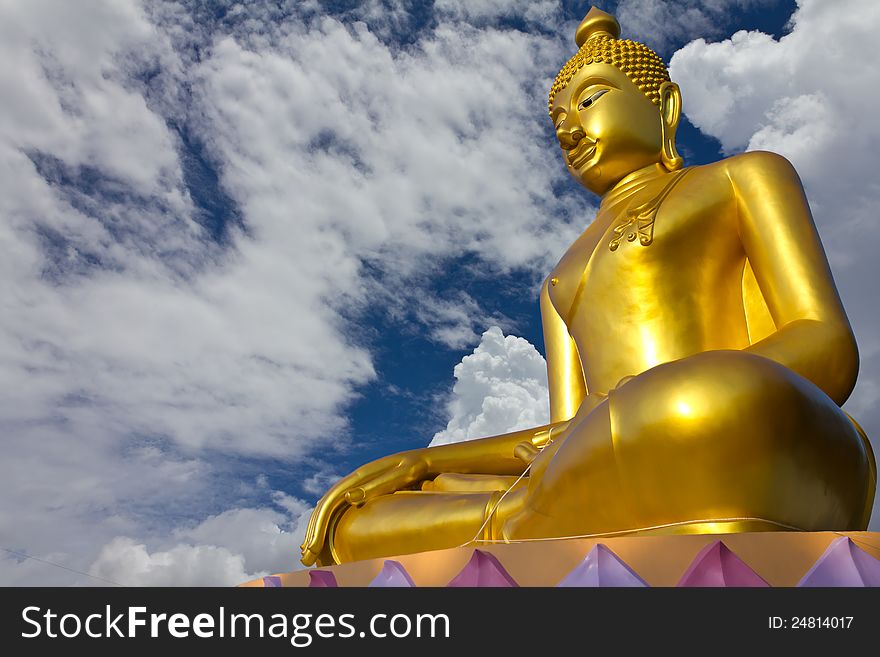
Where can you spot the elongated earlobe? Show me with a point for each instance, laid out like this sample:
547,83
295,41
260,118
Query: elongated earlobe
670,113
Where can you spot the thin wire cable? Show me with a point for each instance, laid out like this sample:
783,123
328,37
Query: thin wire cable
58,565
512,486
495,507
638,529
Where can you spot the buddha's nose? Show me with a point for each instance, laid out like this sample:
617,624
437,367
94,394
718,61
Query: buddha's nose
569,137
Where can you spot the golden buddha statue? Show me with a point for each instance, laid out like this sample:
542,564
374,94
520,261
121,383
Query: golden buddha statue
697,351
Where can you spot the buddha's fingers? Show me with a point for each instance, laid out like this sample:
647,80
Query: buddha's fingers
409,471
380,477
526,451
308,558
317,513
310,530
319,522
314,539
319,526
313,521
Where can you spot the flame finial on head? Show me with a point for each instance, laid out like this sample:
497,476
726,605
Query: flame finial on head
596,21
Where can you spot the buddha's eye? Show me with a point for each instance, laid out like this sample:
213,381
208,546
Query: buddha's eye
592,98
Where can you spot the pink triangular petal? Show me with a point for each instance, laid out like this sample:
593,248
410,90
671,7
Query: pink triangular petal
601,567
483,570
322,579
843,564
716,565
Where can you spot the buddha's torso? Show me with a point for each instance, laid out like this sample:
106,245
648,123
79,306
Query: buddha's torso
638,305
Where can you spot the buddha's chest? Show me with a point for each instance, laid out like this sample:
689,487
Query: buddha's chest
640,250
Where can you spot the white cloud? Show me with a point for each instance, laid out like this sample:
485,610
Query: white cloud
224,550
128,563
417,141
241,345
810,96
66,92
454,321
320,482
268,541
662,23
500,387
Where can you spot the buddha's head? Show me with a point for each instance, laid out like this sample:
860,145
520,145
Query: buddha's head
614,107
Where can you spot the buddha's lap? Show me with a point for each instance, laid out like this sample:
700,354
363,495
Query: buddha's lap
719,434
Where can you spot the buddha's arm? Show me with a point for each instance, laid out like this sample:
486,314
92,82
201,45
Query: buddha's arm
565,374
813,335
497,455
507,454
565,378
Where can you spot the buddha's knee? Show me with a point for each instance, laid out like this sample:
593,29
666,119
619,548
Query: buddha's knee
725,398
743,433
714,436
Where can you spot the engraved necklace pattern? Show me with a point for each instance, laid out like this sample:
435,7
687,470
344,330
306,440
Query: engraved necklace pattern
639,221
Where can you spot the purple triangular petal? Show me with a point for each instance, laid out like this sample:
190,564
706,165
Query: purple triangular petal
322,579
601,567
393,574
716,565
272,581
843,564
483,570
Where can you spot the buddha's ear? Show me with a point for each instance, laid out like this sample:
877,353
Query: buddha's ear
670,113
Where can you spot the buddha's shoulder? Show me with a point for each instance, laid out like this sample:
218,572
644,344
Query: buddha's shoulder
762,163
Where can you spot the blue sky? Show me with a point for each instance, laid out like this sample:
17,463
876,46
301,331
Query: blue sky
250,247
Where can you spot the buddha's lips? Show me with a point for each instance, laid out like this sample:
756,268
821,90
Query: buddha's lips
582,152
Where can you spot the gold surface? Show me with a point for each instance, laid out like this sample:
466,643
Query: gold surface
697,354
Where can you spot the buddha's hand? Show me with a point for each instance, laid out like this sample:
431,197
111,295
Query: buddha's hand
528,450
381,477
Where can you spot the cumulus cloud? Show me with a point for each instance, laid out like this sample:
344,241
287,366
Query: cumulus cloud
224,550
811,97
128,563
500,387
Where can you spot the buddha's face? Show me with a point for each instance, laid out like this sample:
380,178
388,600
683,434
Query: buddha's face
606,126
